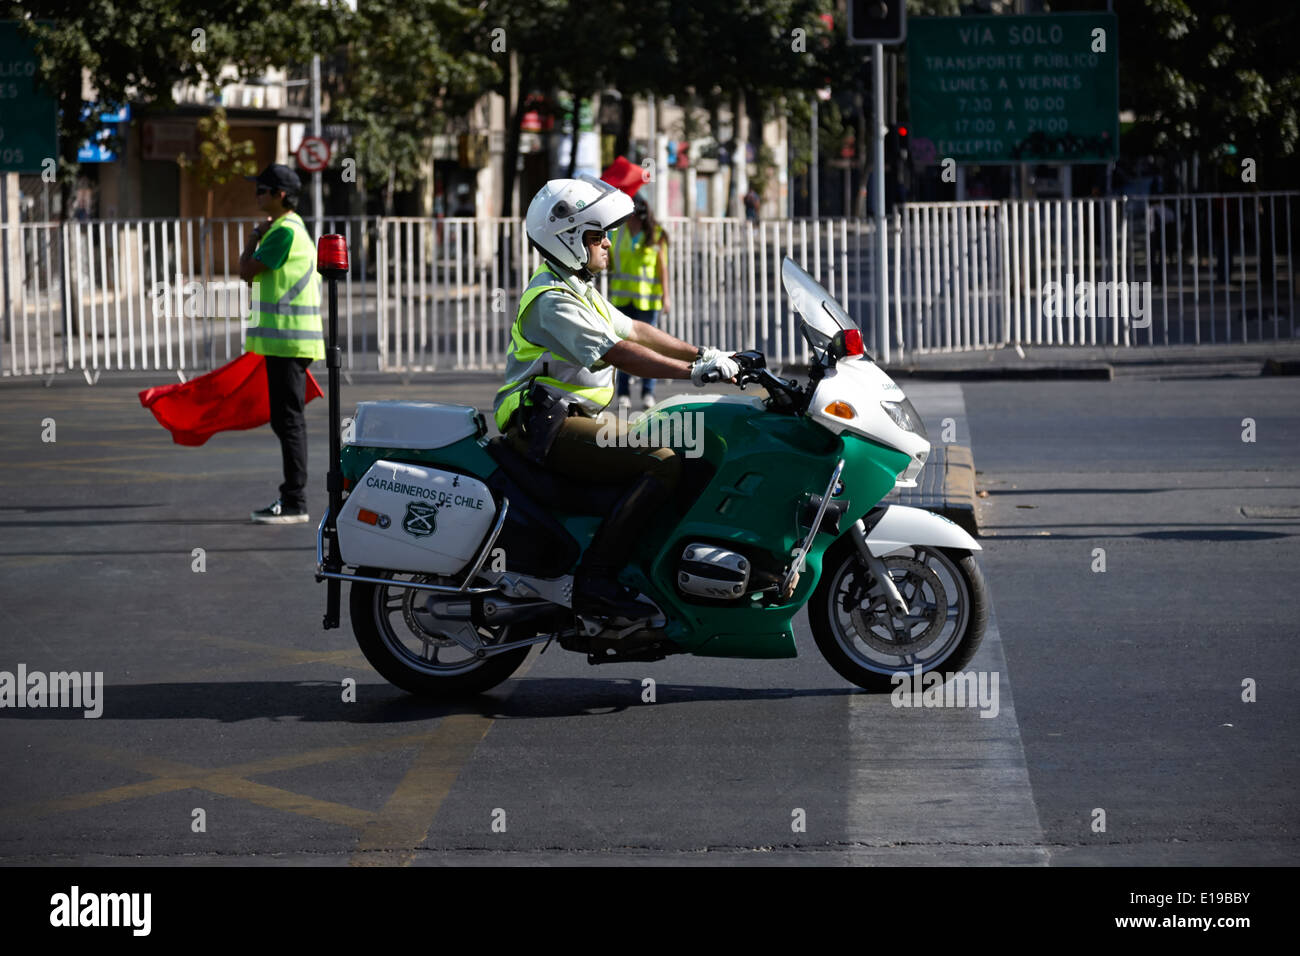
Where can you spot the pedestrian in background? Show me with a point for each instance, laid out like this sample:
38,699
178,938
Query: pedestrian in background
280,261
638,282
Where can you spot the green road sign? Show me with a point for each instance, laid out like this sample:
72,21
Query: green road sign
27,116
1038,88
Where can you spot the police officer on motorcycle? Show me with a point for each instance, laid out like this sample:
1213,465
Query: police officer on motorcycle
566,343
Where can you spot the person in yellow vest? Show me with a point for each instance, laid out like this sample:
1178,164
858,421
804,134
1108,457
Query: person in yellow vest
638,281
565,345
280,262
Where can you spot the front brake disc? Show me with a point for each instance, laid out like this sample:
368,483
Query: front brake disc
927,602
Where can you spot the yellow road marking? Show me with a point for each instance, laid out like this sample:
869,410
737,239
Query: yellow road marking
390,837
84,801
276,799
227,781
404,822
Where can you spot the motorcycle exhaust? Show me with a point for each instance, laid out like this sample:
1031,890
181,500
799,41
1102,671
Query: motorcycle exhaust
495,611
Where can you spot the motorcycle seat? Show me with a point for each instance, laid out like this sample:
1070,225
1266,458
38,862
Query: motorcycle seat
551,489
393,424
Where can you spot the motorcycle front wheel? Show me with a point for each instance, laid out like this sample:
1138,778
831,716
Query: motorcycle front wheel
414,649
867,644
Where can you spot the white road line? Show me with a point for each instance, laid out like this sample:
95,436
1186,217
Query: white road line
942,785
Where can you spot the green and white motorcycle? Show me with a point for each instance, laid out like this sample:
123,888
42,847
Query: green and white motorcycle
460,552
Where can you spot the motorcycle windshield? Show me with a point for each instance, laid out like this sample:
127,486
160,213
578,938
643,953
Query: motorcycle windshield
822,316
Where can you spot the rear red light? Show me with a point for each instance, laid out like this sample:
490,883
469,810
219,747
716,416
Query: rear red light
367,516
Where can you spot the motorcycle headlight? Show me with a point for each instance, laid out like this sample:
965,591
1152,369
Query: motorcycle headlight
905,417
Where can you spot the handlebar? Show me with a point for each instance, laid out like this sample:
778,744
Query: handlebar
786,395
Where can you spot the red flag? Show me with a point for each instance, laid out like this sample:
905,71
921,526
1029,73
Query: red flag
625,175
229,398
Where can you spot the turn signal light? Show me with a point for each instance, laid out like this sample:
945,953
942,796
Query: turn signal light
332,254
840,410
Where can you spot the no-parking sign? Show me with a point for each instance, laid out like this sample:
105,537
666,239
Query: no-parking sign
313,154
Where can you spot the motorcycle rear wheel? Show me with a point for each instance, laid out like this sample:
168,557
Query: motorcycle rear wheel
867,645
409,646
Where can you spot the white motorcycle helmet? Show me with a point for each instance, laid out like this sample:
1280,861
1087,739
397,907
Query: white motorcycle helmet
564,209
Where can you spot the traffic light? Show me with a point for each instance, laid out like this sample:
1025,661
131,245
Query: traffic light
896,162
877,21
896,144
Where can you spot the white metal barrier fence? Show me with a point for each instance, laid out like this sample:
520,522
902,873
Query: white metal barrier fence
139,294
1161,270
436,294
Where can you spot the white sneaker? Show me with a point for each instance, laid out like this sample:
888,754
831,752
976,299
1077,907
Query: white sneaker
647,401
624,401
276,513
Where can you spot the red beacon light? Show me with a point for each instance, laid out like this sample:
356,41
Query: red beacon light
847,342
332,256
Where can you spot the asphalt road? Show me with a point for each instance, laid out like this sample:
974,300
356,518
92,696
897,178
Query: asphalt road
1129,683
1118,690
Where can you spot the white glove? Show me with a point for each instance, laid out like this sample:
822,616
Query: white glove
707,355
719,368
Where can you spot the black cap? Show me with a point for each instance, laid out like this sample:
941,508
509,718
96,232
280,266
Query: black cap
278,176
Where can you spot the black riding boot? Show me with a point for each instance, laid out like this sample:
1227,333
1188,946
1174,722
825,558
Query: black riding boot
596,590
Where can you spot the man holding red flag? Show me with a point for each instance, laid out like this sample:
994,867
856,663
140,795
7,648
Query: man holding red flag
270,381
280,262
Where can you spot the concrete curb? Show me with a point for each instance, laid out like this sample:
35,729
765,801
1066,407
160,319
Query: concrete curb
1099,372
1281,367
959,489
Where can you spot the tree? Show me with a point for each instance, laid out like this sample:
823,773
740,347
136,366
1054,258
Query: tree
751,54
139,51
405,70
220,159
1213,76
556,49
713,51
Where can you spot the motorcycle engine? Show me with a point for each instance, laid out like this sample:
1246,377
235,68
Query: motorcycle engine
712,572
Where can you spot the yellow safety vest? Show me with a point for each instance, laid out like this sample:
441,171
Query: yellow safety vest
286,301
592,391
634,275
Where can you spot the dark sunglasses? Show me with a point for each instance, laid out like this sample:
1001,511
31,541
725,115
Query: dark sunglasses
592,238
264,189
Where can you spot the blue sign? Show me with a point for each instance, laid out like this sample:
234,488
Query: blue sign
98,151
